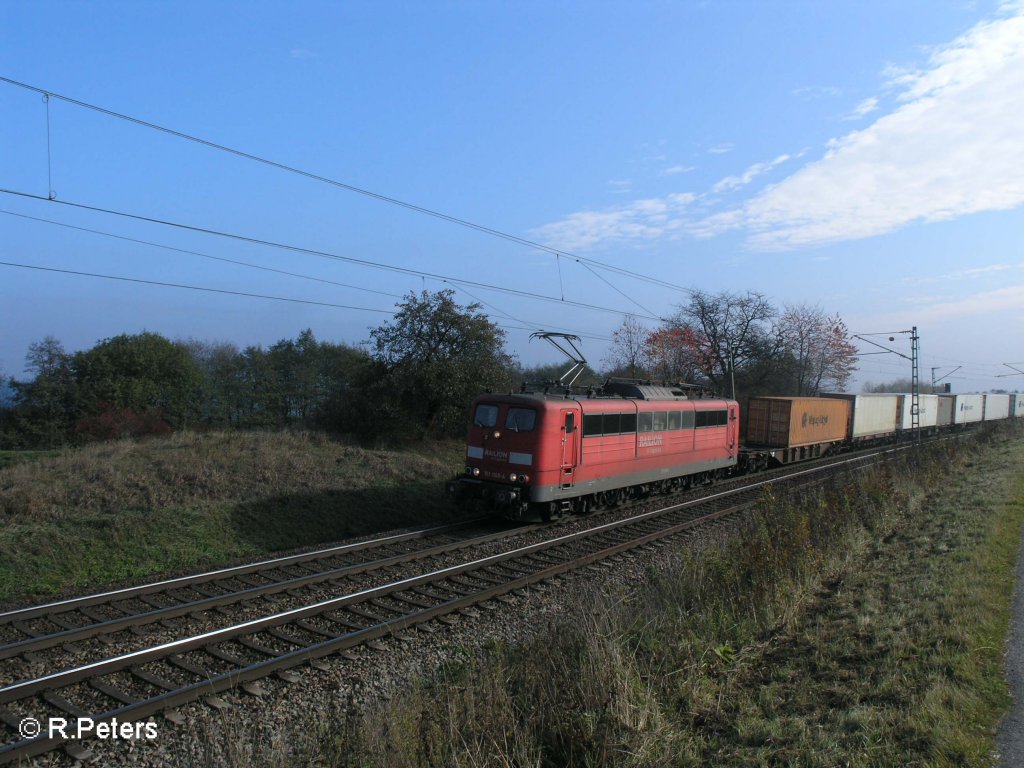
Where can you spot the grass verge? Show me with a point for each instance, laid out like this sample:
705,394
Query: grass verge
860,624
80,519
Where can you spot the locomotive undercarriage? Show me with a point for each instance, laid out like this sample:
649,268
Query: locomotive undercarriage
508,501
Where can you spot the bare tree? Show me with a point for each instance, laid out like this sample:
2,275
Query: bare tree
734,331
821,355
627,350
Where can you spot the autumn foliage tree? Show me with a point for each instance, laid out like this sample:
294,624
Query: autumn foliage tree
819,354
677,354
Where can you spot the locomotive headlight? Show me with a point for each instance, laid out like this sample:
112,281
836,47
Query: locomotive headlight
524,478
497,434
476,471
513,477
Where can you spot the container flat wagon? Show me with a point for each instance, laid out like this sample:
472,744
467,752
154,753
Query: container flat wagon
1017,403
795,428
996,407
967,409
927,411
873,416
945,410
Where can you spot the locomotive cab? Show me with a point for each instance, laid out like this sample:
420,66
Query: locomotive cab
515,445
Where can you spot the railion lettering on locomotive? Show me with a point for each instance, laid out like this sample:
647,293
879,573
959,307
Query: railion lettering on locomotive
491,453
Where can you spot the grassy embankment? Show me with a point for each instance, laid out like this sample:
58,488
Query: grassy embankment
78,519
862,624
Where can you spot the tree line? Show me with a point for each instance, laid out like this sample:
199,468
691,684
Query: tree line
740,344
412,379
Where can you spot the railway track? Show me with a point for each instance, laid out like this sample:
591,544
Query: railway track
130,687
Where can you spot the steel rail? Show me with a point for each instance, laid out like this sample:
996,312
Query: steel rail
515,579
110,626
97,627
86,601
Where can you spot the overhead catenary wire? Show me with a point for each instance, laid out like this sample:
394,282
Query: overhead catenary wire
327,255
523,324
205,289
203,255
350,187
195,287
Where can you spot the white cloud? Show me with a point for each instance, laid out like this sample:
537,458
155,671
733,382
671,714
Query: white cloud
863,109
650,219
620,186
301,53
814,92
1010,298
734,182
675,170
954,147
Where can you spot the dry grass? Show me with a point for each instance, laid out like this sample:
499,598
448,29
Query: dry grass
82,518
190,469
858,625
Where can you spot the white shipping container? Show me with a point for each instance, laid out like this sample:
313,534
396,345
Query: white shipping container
947,403
997,407
927,411
1018,405
968,409
873,415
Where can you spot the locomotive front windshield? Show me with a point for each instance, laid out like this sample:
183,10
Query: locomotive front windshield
521,419
486,415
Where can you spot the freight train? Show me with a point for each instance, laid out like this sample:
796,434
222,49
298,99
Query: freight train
538,455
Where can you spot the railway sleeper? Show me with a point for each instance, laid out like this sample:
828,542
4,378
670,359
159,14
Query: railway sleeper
219,653
111,691
155,680
286,637
56,700
258,647
193,669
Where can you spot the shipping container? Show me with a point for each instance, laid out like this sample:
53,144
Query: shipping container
968,409
947,404
1018,405
927,411
791,422
873,415
997,407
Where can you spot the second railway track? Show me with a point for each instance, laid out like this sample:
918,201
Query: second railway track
136,685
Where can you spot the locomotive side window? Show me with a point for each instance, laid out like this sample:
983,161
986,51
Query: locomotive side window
486,415
597,424
645,421
687,420
675,420
660,421
520,419
712,418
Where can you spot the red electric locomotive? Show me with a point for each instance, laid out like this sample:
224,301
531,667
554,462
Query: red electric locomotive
538,454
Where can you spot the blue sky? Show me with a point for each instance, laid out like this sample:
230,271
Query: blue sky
864,156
